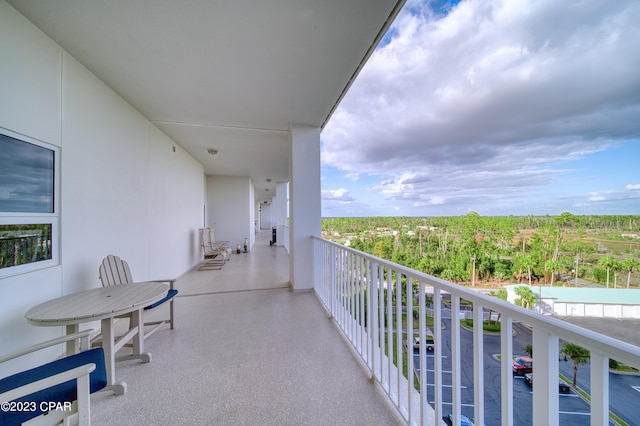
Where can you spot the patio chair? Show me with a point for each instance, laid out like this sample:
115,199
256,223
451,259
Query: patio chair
115,271
216,254
51,393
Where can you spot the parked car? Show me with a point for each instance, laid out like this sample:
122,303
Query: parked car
562,386
529,379
522,365
429,343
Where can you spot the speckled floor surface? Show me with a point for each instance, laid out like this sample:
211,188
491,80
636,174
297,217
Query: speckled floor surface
246,350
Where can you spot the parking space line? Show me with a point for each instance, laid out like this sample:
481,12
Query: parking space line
576,413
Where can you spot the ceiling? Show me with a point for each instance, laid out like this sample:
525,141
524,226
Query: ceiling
229,75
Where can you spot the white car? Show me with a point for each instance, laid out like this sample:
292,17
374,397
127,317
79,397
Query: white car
429,343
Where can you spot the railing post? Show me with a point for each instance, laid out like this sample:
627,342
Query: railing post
437,352
506,369
546,405
599,389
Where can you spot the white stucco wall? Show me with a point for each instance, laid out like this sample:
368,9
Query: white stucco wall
230,205
125,187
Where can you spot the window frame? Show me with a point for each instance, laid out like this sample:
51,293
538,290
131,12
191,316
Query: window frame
21,218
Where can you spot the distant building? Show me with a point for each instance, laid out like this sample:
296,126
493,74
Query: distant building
631,235
583,301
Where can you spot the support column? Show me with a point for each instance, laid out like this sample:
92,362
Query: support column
305,206
279,206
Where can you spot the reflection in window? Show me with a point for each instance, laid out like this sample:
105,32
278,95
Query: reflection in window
26,177
21,244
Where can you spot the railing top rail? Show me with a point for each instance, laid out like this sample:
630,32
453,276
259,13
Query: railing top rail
602,344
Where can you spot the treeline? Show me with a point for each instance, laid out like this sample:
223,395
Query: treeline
474,248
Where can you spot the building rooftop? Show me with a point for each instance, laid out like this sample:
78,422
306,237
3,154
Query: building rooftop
618,296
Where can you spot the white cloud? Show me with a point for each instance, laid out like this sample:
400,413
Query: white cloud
340,195
479,104
632,187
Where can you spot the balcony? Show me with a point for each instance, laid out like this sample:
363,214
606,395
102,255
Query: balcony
363,292
248,350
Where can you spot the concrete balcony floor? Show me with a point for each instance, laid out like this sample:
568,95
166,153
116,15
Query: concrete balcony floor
246,350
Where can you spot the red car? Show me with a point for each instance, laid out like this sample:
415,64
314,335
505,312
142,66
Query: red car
522,365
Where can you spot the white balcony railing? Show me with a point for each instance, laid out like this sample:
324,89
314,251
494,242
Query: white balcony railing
353,287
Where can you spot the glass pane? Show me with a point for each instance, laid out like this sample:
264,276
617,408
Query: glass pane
26,177
20,244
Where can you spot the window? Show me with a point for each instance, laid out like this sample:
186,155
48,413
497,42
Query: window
28,204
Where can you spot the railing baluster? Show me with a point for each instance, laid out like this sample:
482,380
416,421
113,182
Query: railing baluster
546,405
389,328
410,374
599,389
437,353
381,325
478,363
422,315
370,314
506,370
375,316
456,366
399,346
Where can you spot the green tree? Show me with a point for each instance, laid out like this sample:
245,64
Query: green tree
529,262
527,298
606,262
529,349
578,355
502,295
629,264
616,266
552,265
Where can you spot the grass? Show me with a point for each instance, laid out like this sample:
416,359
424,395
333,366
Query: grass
489,327
626,369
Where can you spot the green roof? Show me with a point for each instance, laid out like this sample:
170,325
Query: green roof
608,296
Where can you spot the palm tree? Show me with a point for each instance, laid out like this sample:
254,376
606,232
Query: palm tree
529,262
628,264
552,265
578,355
616,266
527,297
606,262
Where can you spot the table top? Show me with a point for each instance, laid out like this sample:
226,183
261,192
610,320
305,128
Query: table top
96,303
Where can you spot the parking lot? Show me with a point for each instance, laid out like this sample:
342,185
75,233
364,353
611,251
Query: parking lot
574,410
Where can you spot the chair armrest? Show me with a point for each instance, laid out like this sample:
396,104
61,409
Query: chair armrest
73,336
47,382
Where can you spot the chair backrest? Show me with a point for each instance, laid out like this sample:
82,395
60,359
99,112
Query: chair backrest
208,243
114,271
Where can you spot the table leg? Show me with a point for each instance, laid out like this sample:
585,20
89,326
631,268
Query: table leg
138,340
72,345
108,344
136,335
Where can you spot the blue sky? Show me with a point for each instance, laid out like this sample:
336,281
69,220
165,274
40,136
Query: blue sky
500,107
